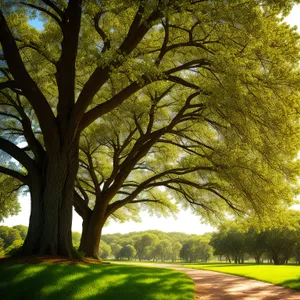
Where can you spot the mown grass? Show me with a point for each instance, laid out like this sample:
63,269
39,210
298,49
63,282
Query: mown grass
285,275
92,281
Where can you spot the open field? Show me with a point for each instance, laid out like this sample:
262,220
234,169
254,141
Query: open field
284,275
92,281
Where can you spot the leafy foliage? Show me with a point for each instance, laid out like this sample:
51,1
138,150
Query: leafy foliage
140,245
1,247
279,243
196,248
76,239
128,252
207,127
167,102
9,192
104,250
12,238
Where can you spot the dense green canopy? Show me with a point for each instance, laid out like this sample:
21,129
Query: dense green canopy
150,103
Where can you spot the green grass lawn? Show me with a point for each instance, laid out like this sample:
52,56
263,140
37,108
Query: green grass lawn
285,275
92,281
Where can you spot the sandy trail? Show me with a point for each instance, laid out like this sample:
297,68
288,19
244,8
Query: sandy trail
218,286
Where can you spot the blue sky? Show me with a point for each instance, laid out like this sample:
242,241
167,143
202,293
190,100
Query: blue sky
37,23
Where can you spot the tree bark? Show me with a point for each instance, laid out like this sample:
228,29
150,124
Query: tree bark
91,231
34,233
52,193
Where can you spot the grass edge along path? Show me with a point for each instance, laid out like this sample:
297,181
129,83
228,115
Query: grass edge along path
92,281
281,275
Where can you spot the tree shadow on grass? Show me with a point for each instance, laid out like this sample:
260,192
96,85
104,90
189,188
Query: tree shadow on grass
292,283
111,282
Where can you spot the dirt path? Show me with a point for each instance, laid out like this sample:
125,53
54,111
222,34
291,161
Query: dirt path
217,286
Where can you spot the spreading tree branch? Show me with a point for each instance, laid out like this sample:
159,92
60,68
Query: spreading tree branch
17,154
65,66
26,83
101,74
103,35
14,174
54,7
47,12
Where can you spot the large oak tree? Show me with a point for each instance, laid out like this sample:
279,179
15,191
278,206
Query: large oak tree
195,96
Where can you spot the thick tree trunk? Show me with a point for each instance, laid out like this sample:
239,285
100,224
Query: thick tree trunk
57,199
32,241
91,233
52,196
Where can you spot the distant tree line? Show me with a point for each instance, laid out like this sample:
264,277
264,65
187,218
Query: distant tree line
234,242
150,245
156,245
278,244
